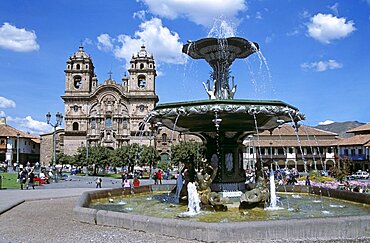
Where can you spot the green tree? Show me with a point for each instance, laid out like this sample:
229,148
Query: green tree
187,152
148,156
98,156
64,159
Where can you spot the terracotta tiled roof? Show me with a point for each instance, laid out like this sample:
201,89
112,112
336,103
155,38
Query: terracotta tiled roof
362,128
8,131
288,130
355,140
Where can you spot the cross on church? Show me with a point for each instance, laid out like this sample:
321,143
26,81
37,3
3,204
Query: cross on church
110,75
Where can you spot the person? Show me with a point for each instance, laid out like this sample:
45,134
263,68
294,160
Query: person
155,178
31,182
98,182
22,177
159,176
126,186
308,182
136,182
44,177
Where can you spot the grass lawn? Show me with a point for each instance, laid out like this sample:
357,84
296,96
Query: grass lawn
9,180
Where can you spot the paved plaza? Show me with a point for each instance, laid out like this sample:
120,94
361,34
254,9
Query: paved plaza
46,215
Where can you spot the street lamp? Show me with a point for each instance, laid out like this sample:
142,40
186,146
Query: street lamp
58,122
18,149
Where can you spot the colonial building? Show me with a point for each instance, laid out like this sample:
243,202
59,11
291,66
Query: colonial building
17,146
356,149
306,149
109,114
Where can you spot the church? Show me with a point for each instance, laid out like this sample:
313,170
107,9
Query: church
109,114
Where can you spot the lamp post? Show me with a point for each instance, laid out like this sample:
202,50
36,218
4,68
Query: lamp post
18,150
58,122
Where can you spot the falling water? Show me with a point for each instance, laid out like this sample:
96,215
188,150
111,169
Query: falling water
258,139
273,200
222,29
193,201
299,142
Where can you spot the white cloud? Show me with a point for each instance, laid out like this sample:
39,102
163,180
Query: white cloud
326,27
334,8
6,103
200,12
322,66
2,114
19,40
327,122
140,15
157,39
259,15
105,42
87,41
30,125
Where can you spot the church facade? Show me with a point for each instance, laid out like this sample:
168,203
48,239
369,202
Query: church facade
109,114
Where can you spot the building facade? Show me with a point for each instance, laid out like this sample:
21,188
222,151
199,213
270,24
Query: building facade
109,114
356,149
17,147
304,149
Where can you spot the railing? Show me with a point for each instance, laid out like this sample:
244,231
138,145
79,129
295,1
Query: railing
360,157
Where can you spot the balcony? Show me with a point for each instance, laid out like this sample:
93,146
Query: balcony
356,157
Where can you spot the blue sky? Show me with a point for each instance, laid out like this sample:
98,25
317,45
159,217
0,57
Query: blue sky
316,52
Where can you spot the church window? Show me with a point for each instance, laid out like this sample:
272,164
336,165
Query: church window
142,66
75,108
141,126
93,123
78,67
141,108
141,82
164,138
68,66
77,81
108,122
75,126
150,65
132,65
87,66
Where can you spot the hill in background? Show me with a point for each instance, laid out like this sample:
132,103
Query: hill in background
340,127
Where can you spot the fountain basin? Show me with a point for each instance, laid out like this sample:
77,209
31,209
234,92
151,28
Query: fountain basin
334,228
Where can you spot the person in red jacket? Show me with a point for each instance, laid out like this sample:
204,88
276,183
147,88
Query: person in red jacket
159,176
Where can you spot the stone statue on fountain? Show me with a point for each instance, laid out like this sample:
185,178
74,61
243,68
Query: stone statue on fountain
259,194
220,89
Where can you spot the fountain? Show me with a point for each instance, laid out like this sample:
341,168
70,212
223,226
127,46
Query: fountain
223,123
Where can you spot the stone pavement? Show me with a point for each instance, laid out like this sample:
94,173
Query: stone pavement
73,186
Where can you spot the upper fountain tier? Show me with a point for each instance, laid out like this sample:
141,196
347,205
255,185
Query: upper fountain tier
220,54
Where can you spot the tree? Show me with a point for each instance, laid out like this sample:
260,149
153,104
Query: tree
64,159
148,156
187,152
98,156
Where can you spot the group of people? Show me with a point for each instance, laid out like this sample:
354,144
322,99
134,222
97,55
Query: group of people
157,177
26,178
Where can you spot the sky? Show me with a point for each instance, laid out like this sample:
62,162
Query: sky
314,54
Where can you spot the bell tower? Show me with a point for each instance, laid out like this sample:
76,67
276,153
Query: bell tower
142,74
80,76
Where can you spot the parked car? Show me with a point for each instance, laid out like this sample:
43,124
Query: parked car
360,175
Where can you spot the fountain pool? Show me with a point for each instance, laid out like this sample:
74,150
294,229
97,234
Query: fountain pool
291,206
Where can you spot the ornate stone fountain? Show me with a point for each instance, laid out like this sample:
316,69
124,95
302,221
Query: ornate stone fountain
222,121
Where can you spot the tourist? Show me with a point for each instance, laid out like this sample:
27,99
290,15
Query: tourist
22,177
127,186
159,176
31,182
155,178
136,182
98,182
308,182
